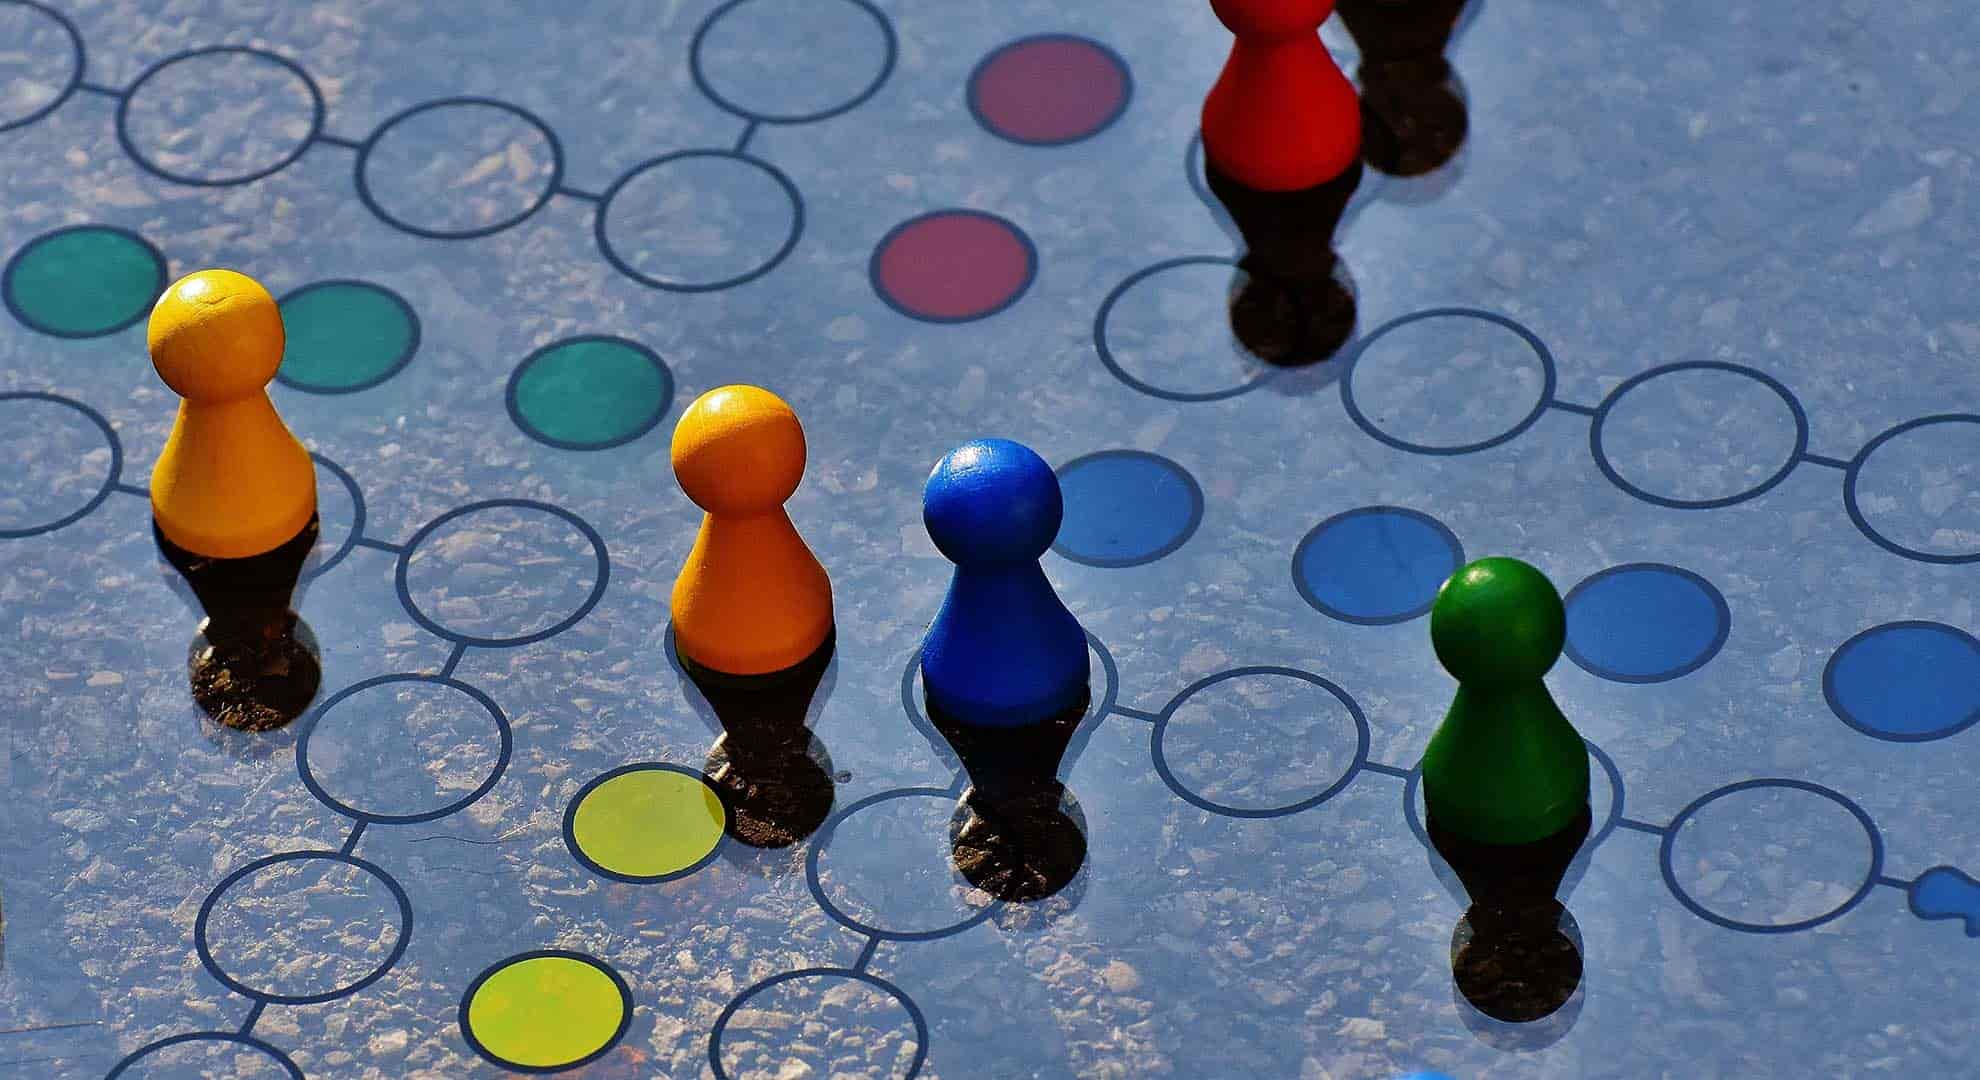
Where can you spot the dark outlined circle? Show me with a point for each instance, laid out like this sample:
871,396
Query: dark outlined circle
1608,405
138,310
837,914
700,75
618,981
436,627
1173,533
1666,853
75,70
213,898
1836,680
314,569
1361,420
370,144
1599,833
601,232
1855,473
316,788
130,146
1095,51
875,981
110,475
1434,528
234,1038
889,290
1099,706
387,370
1347,776
1701,656
596,782
1113,365
518,410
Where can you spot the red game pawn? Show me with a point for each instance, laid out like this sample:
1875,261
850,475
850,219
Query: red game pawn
1282,139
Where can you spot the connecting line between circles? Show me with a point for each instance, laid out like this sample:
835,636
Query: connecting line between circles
1890,882
351,841
748,133
866,953
453,659
1133,713
254,1015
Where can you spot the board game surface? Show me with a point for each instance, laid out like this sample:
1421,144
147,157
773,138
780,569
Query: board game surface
1690,324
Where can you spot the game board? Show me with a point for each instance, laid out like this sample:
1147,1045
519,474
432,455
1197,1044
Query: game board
1689,325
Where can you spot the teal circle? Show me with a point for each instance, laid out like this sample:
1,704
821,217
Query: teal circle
83,281
345,336
588,393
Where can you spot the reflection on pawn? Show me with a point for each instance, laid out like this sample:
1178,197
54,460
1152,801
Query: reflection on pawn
1505,788
1004,668
773,775
1414,118
233,499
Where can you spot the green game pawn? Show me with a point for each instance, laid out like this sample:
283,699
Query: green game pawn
1505,767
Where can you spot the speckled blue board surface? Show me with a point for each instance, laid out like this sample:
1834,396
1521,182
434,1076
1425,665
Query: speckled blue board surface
1690,324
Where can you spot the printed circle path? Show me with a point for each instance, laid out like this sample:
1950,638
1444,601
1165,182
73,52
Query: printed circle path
644,823
658,232
44,433
345,336
1266,703
232,140
430,152
1464,372
953,266
216,919
1126,508
1375,565
1049,89
787,61
589,393
1645,623
1942,443
213,1042
1696,433
1906,681
802,983
83,281
392,749
46,37
546,1011
467,561
1746,892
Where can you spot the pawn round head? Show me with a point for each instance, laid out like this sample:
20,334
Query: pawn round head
1264,19
215,336
738,450
992,501
1498,621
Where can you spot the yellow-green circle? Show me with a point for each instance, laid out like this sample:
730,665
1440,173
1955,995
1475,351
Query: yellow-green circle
648,824
546,1012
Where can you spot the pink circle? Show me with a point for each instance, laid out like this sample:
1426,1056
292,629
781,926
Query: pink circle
953,266
1048,90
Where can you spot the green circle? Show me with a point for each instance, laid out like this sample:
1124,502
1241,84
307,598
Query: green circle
1498,621
589,393
345,336
84,281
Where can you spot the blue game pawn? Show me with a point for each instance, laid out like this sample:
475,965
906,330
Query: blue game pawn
1003,650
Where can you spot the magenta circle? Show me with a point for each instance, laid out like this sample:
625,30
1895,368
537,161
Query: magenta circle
953,266
1049,90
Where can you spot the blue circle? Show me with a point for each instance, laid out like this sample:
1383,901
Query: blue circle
1375,565
69,84
1645,623
284,161
230,1038
1906,681
1126,508
550,186
205,917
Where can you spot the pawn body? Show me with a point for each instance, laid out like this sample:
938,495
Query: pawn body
1003,650
751,599
1281,116
1505,766
232,481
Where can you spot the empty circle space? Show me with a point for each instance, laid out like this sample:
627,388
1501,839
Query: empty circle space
855,1025
645,823
40,66
1771,856
403,748
1302,740
884,867
345,336
502,573
207,1053
304,927
1376,564
546,1011
590,393
1166,331
700,220
1698,435
339,514
792,61
1448,382
218,116
1906,682
62,459
458,168
953,266
1645,623
1126,508
1049,90
1915,490
83,281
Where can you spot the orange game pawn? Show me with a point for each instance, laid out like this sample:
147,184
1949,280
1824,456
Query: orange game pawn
752,601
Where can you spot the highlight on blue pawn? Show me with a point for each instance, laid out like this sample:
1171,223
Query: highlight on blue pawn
1003,650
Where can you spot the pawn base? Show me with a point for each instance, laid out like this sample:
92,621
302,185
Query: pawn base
1515,967
258,682
1021,850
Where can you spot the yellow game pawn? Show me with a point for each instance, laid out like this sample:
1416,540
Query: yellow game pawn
232,481
752,599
